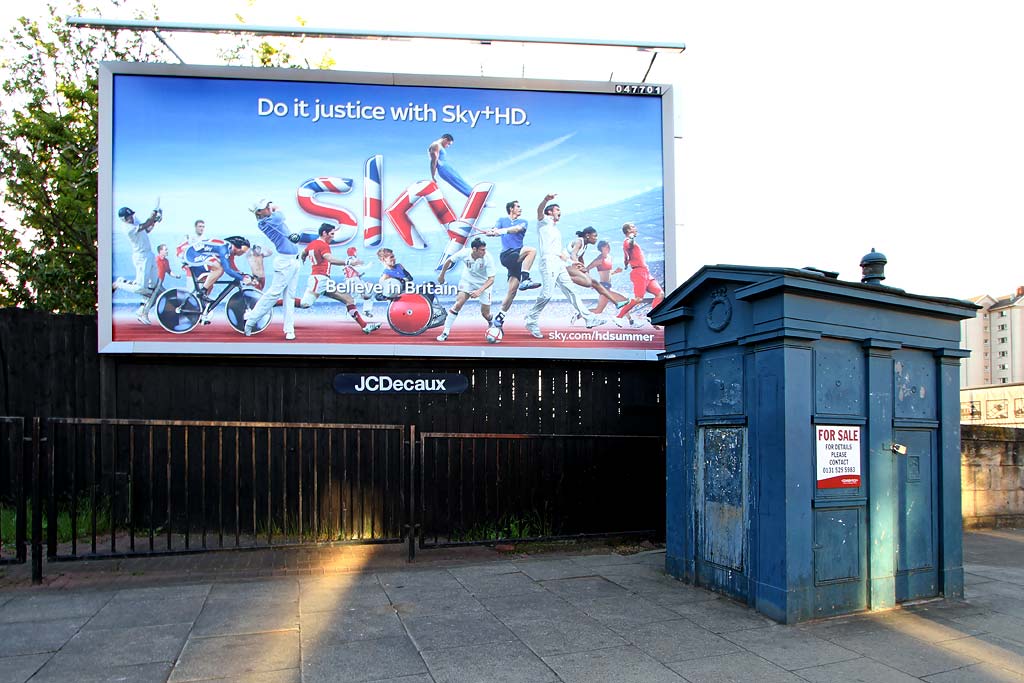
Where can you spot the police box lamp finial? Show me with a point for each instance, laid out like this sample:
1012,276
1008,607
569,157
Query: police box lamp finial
872,268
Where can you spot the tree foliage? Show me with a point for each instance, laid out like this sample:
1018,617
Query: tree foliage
48,146
48,156
250,52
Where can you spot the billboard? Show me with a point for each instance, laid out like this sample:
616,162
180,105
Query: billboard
259,211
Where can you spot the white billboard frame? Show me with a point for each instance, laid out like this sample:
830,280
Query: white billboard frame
107,217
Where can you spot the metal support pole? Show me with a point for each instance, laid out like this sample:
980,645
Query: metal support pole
37,507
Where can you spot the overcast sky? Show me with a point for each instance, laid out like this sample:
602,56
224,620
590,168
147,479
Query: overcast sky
807,132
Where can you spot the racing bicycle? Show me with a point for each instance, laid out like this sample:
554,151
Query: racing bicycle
180,310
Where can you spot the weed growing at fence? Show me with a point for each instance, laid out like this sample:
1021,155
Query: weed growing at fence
8,523
511,526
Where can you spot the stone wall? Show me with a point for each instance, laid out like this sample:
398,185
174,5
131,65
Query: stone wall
992,476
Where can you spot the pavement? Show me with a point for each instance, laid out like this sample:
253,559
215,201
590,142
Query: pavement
363,614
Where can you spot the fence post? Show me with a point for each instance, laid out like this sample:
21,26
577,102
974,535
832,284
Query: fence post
51,499
411,513
22,491
37,508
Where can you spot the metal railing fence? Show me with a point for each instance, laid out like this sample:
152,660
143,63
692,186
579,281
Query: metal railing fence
122,487
129,488
14,490
486,488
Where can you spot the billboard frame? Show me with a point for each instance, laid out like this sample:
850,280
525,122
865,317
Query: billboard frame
106,211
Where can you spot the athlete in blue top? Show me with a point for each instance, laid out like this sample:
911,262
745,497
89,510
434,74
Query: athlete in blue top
440,166
217,258
271,223
516,258
210,259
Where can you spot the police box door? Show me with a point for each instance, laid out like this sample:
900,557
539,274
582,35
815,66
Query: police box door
917,532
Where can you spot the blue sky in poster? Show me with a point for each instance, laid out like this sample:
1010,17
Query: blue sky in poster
201,147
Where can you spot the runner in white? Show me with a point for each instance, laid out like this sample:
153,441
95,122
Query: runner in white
553,263
477,278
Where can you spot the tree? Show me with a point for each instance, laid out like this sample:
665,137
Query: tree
49,156
266,54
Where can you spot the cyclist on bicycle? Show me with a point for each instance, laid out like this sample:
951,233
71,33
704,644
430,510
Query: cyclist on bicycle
210,259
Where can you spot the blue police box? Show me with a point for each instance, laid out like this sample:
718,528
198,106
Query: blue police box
813,439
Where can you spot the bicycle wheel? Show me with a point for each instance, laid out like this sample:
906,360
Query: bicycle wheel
241,301
178,310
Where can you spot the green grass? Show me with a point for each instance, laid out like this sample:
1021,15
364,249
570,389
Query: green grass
8,523
511,526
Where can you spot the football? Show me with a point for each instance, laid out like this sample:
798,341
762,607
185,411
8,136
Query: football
494,335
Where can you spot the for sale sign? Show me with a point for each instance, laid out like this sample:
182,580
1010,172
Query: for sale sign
838,463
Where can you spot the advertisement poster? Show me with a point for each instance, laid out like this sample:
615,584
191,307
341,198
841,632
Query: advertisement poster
260,211
838,461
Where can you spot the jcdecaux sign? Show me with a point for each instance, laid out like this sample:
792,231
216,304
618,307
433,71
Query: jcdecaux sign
356,383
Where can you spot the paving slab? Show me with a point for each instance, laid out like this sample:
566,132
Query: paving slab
625,611
551,635
362,660
95,653
38,637
362,623
606,559
837,629
147,612
489,584
510,662
154,672
51,606
456,629
930,628
492,569
740,667
612,665
977,673
235,617
416,601
274,589
908,654
512,608
178,591
678,640
240,656
721,615
585,588
20,668
1002,625
324,596
862,670
989,648
544,570
789,647
279,676
433,580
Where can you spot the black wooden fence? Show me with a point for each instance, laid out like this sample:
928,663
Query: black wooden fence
15,489
117,488
182,453
494,487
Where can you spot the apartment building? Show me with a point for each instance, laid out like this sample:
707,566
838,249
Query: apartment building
996,340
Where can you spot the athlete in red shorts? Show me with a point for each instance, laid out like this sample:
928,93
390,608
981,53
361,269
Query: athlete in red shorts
636,264
319,253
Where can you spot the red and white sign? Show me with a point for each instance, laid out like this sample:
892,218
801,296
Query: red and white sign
838,450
